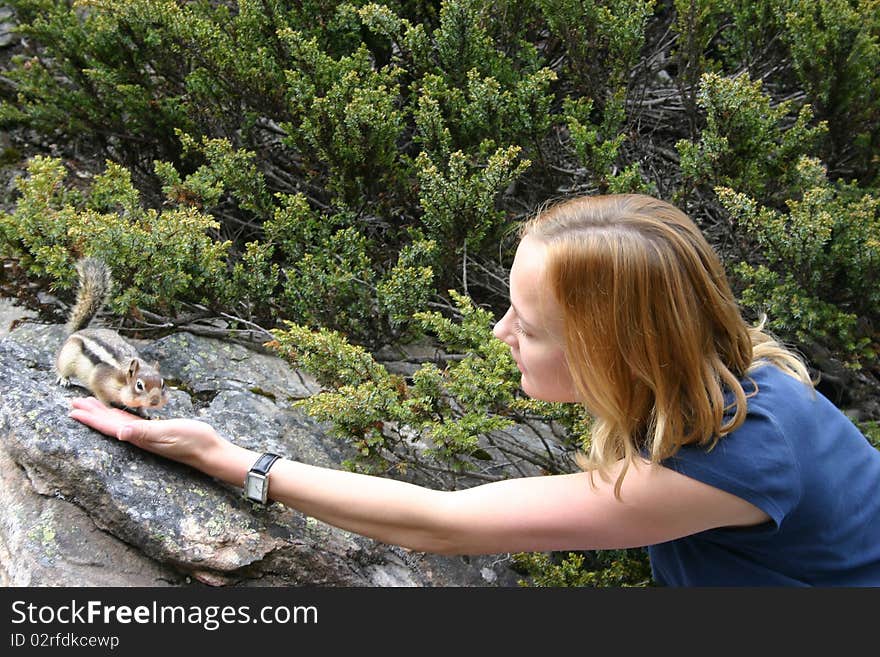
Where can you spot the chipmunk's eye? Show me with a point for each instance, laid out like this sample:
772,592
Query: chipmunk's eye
139,385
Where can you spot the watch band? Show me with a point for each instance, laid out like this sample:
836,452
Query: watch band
256,481
262,464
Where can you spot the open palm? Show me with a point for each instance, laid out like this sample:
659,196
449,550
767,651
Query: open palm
180,439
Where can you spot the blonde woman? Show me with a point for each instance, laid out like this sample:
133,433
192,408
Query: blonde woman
710,445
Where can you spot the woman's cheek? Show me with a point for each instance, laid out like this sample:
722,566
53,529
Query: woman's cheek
551,379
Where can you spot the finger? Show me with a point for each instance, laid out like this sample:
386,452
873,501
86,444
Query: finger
86,403
96,415
106,423
93,405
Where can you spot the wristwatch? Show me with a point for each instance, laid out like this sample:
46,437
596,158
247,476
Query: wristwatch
256,482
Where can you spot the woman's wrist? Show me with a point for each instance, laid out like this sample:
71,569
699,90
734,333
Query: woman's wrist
227,462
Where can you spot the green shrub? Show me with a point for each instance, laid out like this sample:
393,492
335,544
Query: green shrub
606,568
871,429
345,117
225,171
600,43
695,25
748,144
821,263
159,259
835,54
458,202
436,421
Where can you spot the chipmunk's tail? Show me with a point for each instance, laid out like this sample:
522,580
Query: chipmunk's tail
95,283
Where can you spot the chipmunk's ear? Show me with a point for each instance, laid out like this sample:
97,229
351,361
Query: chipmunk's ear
133,368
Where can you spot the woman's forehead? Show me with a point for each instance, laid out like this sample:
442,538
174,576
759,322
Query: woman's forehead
527,270
532,298
530,253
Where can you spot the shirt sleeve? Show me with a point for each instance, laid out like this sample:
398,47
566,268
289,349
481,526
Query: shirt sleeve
755,462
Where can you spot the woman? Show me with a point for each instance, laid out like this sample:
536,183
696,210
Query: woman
710,445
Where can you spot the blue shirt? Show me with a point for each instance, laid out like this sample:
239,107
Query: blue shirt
798,458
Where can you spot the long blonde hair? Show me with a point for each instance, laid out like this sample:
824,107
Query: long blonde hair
653,333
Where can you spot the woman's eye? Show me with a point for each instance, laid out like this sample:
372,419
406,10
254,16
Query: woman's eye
517,328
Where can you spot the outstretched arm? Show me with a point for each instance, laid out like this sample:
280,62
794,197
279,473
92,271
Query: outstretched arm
555,512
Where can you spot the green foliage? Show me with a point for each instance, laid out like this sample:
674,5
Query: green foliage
336,284
226,170
438,417
481,111
835,54
748,35
333,286
573,418
747,143
259,276
362,122
159,259
631,180
610,568
602,41
487,378
831,48
475,110
410,284
695,25
597,146
37,230
328,356
295,227
344,116
871,429
459,203
822,259
107,73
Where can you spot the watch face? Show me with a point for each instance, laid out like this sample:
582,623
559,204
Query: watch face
256,487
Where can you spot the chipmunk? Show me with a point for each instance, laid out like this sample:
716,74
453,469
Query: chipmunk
101,359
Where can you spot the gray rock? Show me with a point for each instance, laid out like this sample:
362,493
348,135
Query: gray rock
158,520
206,365
10,313
7,27
47,541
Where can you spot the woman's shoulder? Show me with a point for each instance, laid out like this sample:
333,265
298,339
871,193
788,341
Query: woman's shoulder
770,374
777,410
786,414
771,390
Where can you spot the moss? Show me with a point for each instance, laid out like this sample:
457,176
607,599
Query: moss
9,156
264,393
43,533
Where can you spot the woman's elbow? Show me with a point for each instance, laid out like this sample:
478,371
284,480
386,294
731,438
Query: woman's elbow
443,530
435,543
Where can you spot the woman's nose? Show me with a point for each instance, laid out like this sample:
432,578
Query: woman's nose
501,331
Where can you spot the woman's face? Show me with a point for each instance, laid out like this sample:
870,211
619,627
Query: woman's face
533,328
